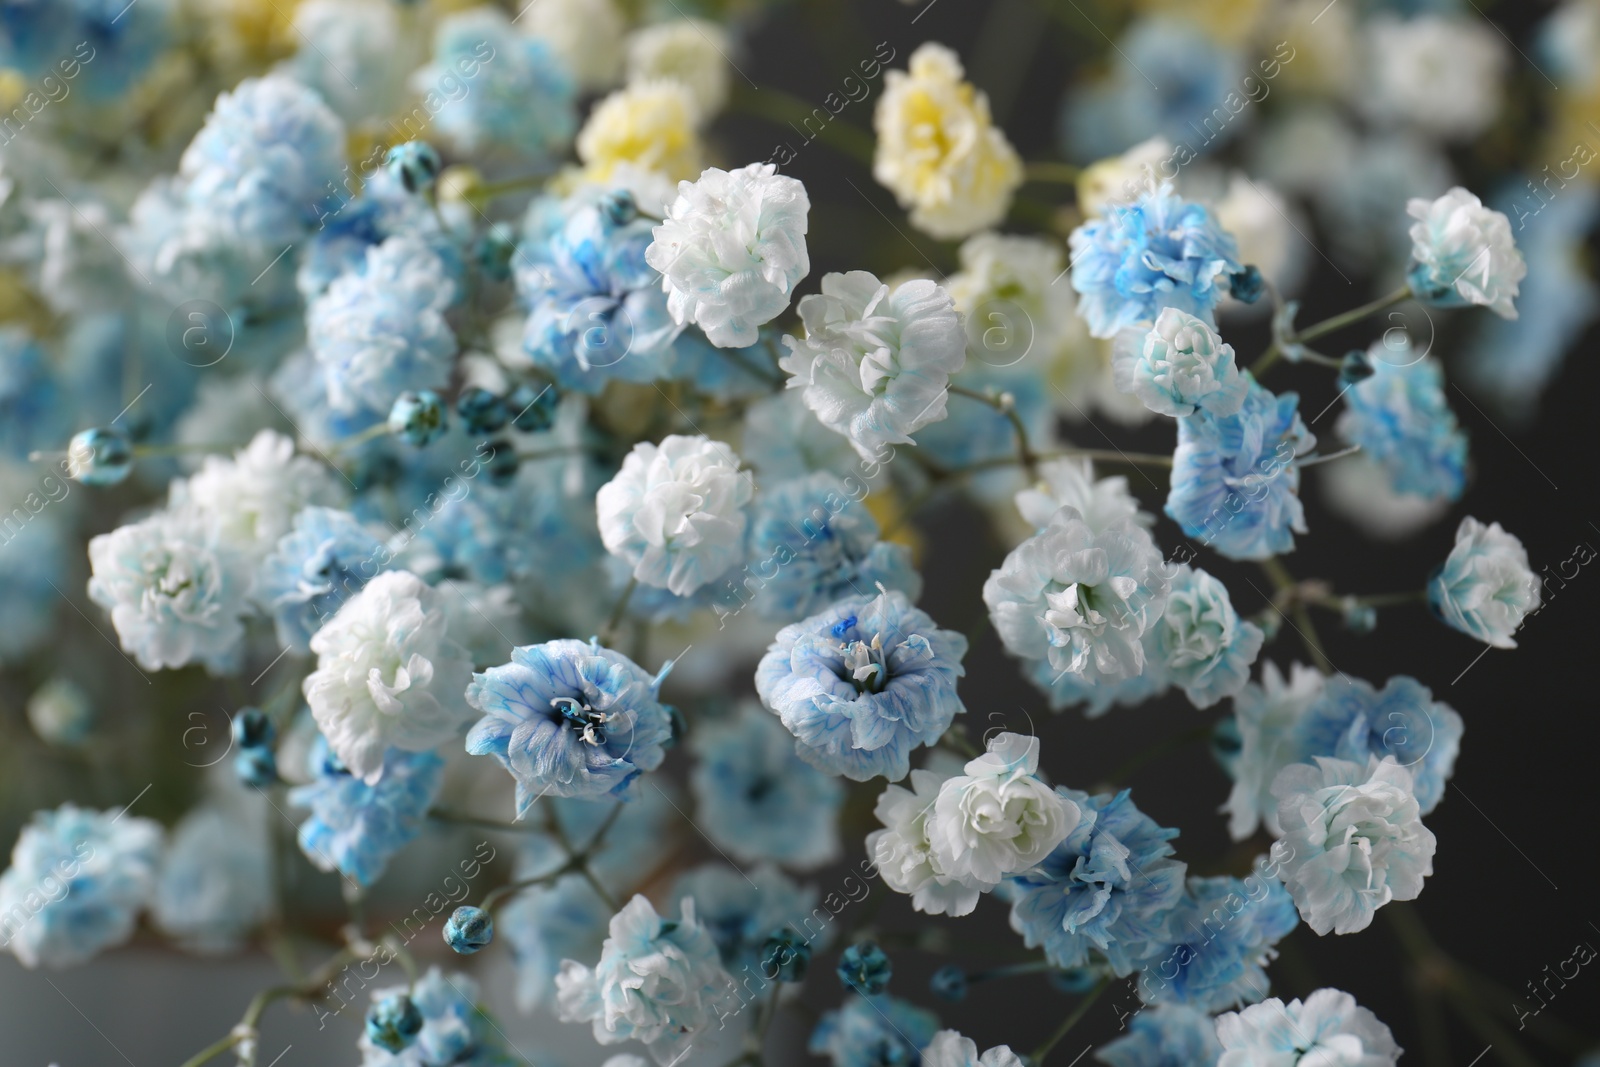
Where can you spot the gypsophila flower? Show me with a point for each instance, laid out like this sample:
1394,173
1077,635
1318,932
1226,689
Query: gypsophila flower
1070,482
1080,598
544,924
1157,252
1266,716
997,818
359,59
731,251
176,591
380,329
650,127
938,150
740,911
77,881
874,363
950,1049
456,1031
388,675
1463,253
1235,484
756,799
902,854
1401,420
1206,649
1329,1027
1440,72
657,982
1167,1035
569,719
1065,689
862,684
1485,587
1106,887
691,51
813,542
872,1032
313,570
252,499
468,930
1182,366
61,713
675,512
215,882
1222,934
586,34
357,826
1355,839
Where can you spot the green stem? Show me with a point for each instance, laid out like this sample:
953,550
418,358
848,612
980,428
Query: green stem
1037,1059
1354,315
614,620
1025,455
1285,583
1053,172
786,109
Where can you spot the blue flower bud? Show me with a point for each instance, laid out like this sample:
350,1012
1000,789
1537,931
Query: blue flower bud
1247,285
1359,618
418,418
1075,979
252,729
618,207
256,767
468,929
533,408
393,1023
1356,366
865,968
101,456
481,411
415,164
502,465
494,250
949,983
785,957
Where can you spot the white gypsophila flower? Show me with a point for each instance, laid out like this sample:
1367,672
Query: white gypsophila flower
586,34
1362,491
998,818
1181,366
253,498
1443,73
902,854
874,363
656,982
691,51
950,1049
1328,1029
388,674
1354,838
1015,314
1463,253
354,54
938,150
177,591
675,512
1122,180
1070,482
1266,715
1080,598
1486,587
731,250
1205,647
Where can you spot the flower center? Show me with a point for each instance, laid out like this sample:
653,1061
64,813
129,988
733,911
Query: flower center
587,721
867,664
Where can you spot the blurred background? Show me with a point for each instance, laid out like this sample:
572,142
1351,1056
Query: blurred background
1328,149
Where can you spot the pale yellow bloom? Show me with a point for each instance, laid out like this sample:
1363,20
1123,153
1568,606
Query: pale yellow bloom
1124,179
938,150
691,51
649,126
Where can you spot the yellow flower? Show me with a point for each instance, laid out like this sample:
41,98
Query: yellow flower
938,150
649,126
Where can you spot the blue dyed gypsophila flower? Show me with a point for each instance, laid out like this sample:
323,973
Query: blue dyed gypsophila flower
1485,587
77,881
880,1031
545,924
1328,1027
757,799
739,915
1401,420
215,883
596,311
1235,484
384,209
176,591
351,54
500,91
1159,252
456,1031
33,413
356,828
811,543
862,684
1179,366
109,44
1168,1035
266,162
1106,888
569,719
379,331
313,569
1351,720
1065,689
1221,935
681,995
1205,648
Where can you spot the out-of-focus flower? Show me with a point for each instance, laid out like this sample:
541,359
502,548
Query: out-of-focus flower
356,827
950,1049
1070,482
1442,73
586,34
456,1031
354,54
1400,419
1265,715
650,125
1463,253
1167,1035
1485,587
215,882
1328,1027
871,1031
1213,964
691,51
